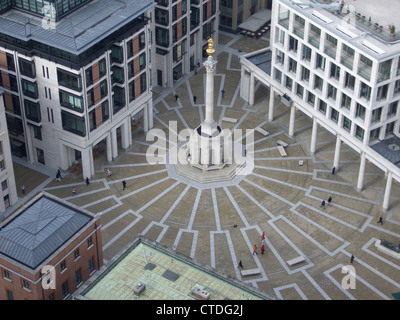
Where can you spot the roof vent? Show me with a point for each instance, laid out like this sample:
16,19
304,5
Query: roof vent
139,289
200,293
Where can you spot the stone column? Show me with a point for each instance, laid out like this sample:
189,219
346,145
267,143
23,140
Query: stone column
64,164
314,135
337,152
361,173
124,135
251,89
109,147
114,143
145,119
292,118
86,163
388,191
271,104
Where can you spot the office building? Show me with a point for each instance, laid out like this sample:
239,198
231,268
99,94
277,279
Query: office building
339,64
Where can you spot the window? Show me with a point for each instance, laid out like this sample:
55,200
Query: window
376,115
10,295
4,185
69,80
89,242
306,53
2,165
349,81
365,91
293,44
382,92
392,110
390,128
292,65
347,57
322,106
300,90
359,133
374,134
7,275
32,111
37,132
365,67
278,75
335,115
384,70
63,266
335,72
29,88
280,57
360,111
78,277
73,123
332,92
162,16
305,74
91,265
320,62
298,26
330,46
346,101
311,98
314,36
27,68
117,55
118,99
162,37
346,124
40,155
76,254
318,83
65,291
71,101
396,87
288,83
26,285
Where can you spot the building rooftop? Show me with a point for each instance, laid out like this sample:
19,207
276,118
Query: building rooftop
361,34
166,275
38,229
79,30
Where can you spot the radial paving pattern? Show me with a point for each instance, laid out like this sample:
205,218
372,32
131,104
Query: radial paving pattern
218,223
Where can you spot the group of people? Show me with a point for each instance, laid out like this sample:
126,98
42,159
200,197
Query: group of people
323,202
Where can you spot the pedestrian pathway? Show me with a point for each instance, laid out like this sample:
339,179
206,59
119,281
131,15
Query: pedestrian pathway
219,223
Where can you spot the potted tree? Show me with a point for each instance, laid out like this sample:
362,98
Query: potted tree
392,30
369,21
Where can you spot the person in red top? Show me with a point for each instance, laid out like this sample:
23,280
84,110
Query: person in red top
262,249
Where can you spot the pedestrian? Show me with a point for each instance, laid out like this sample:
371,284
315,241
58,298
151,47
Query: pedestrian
73,191
351,259
195,70
23,189
240,264
245,154
198,63
262,249
263,235
329,200
262,242
323,204
87,181
194,99
123,184
108,173
333,171
58,177
176,97
222,93
254,250
380,220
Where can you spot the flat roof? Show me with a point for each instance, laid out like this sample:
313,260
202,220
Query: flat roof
166,275
38,229
79,30
261,60
389,149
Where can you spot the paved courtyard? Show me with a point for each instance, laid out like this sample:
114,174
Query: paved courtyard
218,223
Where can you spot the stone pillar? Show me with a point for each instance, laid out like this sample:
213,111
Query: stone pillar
150,113
388,190
124,135
114,143
337,152
314,135
251,89
271,104
63,149
209,125
86,163
361,173
109,147
145,119
292,119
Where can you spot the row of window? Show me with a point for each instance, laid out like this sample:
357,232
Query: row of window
345,103
330,47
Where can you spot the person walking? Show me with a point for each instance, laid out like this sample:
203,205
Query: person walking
329,200
87,181
194,99
323,204
254,250
380,220
123,184
351,259
333,171
263,236
108,173
240,264
222,93
262,249
73,191
23,189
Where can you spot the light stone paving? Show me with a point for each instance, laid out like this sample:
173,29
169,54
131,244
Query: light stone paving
218,223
